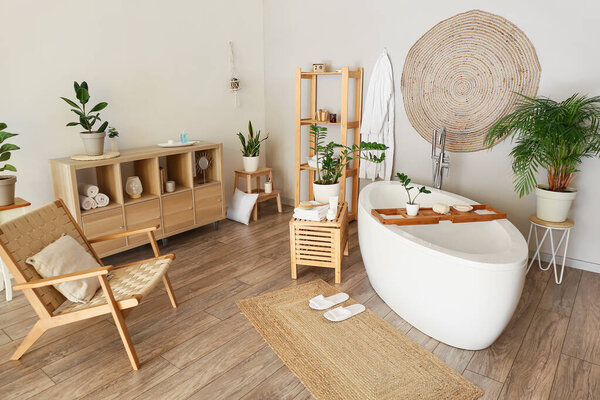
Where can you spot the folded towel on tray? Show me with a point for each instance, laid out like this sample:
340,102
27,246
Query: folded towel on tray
88,190
311,214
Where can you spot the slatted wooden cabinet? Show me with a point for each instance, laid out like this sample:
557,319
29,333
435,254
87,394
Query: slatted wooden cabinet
198,198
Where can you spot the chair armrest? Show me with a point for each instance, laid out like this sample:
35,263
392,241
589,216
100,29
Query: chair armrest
73,276
123,234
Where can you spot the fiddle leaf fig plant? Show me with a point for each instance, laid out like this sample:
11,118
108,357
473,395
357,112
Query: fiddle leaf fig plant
251,147
331,167
87,118
405,181
7,148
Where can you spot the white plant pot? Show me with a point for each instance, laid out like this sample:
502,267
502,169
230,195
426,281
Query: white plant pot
7,189
324,192
250,163
412,209
553,206
93,143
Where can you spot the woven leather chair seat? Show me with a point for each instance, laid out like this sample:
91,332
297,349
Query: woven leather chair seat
137,279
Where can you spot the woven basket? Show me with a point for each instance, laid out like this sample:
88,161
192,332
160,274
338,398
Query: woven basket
464,74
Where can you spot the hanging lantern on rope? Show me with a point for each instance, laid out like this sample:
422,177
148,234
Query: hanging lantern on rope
234,83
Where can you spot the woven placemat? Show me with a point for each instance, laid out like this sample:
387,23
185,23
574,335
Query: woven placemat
361,358
464,74
105,156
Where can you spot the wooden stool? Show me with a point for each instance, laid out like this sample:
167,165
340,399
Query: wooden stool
320,243
7,213
550,227
262,196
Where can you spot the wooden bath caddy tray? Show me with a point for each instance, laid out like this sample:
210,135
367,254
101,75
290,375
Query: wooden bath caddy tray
427,216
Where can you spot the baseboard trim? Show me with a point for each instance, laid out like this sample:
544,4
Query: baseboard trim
571,262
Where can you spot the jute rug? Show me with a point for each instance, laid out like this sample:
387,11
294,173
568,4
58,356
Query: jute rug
361,358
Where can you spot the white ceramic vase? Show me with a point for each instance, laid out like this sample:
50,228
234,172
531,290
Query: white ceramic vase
324,192
412,209
251,163
553,206
133,187
93,143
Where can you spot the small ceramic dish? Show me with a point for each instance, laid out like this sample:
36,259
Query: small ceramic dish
462,207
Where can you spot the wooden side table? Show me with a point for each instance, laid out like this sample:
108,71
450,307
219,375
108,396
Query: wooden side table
550,227
320,243
7,213
262,196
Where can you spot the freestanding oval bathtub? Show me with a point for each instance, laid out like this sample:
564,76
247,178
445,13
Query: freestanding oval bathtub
458,283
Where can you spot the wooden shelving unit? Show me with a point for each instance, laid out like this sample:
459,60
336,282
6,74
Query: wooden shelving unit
192,204
344,123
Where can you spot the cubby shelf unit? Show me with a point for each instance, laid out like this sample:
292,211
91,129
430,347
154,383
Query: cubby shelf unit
195,202
344,123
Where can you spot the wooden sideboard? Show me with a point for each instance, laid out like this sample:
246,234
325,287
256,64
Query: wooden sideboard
198,198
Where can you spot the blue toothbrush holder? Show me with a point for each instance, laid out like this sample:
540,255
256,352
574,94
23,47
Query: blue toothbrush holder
183,138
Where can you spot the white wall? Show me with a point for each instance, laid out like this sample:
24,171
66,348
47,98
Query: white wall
161,65
354,32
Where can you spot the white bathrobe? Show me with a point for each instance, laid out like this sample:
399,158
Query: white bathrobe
378,118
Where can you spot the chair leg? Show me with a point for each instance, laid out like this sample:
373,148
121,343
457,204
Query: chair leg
34,334
170,291
119,322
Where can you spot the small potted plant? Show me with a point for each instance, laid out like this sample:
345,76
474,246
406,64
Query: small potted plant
251,148
7,182
329,167
113,134
412,207
555,136
93,140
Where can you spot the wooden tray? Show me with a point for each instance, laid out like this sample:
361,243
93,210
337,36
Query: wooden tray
427,216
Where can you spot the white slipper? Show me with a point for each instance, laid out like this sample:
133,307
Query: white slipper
341,313
322,303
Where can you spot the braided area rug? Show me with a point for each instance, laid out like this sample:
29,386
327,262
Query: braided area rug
464,74
361,358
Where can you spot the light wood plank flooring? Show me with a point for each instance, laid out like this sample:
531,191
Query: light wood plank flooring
206,349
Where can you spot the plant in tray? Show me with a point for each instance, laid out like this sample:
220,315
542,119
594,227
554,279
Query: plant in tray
412,208
93,140
251,148
7,182
330,167
554,136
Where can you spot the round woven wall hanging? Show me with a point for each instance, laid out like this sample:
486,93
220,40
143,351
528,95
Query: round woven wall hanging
464,74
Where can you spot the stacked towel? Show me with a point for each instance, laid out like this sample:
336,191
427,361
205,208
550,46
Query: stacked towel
88,190
311,214
90,197
87,203
102,200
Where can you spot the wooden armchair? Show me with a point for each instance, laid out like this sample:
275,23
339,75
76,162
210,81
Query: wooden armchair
23,237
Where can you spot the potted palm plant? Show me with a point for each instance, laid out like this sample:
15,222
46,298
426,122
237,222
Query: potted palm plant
251,148
555,136
93,140
412,207
7,182
330,167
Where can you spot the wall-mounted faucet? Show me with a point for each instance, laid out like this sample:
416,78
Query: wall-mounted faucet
440,160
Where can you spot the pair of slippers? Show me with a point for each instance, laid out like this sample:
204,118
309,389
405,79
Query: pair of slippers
337,314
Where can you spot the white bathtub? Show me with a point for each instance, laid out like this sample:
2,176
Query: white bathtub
458,283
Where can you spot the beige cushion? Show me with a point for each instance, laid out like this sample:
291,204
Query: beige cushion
64,256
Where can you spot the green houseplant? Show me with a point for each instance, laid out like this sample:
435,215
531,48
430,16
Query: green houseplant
7,182
412,207
554,136
93,140
330,167
251,148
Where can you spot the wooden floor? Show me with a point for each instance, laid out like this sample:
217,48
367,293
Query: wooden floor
206,349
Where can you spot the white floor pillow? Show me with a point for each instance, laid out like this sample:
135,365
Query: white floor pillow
241,206
64,256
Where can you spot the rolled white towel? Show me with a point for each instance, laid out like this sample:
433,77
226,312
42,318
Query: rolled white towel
88,190
87,203
102,200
